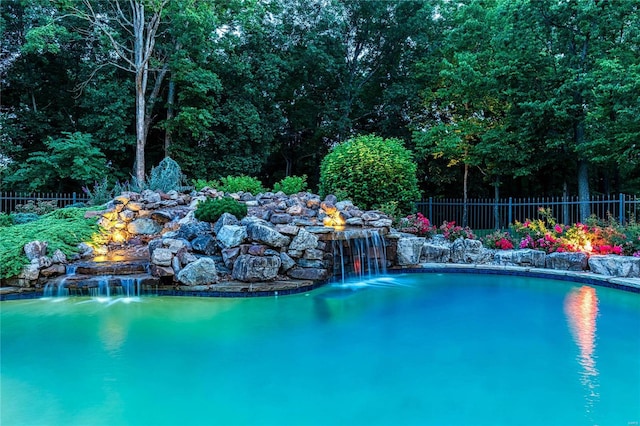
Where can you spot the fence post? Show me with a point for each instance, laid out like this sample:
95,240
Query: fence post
431,210
621,212
510,210
73,196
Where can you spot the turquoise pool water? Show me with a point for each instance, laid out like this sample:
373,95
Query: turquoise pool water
443,349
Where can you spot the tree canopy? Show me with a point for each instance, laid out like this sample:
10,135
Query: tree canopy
524,97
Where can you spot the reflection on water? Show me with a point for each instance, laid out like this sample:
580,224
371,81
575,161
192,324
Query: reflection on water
581,308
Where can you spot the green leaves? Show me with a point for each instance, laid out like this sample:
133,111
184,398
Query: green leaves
73,157
371,171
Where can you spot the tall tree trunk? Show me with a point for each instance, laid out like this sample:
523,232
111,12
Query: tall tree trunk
565,203
465,211
583,190
170,101
496,200
141,69
140,129
583,176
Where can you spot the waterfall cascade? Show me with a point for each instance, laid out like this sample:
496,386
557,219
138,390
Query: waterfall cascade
358,254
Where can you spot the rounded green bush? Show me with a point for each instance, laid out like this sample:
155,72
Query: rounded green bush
212,209
371,171
241,183
291,184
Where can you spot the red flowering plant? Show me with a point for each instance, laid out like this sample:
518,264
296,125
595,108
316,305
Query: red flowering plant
452,232
609,237
498,240
416,224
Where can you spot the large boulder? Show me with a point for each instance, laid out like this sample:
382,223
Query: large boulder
577,261
143,226
436,253
231,235
191,230
205,244
303,240
266,235
201,272
161,257
250,268
225,219
315,274
408,251
527,257
615,266
465,250
35,249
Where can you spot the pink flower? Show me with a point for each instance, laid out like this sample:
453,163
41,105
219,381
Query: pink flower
558,229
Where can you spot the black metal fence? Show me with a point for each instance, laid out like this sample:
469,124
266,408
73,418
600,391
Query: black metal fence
489,214
9,200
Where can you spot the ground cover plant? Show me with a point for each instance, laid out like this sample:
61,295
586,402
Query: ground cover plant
62,229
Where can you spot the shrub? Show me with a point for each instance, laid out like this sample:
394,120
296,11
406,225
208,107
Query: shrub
291,184
452,232
198,184
22,218
241,183
100,193
371,171
390,208
498,240
417,224
5,220
63,229
212,209
166,176
38,207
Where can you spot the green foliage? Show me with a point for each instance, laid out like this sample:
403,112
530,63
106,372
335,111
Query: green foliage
498,240
166,176
198,184
211,209
22,218
100,193
62,229
72,158
372,171
452,232
291,184
38,207
416,224
5,220
390,208
241,183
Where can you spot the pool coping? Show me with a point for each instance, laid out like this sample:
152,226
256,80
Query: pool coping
619,283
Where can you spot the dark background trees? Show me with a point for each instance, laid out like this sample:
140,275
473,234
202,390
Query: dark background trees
494,97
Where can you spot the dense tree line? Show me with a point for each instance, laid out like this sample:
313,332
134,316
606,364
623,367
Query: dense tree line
504,97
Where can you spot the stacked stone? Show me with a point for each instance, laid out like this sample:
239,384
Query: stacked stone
41,264
282,237
132,217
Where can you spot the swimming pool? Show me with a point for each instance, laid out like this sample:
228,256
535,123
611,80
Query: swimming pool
403,349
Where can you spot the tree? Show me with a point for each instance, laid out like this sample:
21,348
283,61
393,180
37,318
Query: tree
70,160
465,106
131,31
